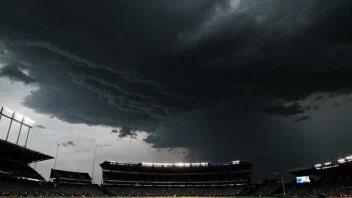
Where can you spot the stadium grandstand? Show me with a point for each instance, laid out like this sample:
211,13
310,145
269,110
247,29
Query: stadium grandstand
179,179
332,178
68,183
268,189
16,176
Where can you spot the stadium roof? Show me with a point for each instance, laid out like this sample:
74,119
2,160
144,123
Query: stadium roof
331,167
18,153
303,171
71,175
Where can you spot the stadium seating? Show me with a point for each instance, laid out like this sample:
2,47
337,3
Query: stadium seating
79,184
9,186
69,183
18,169
329,189
78,190
267,190
182,179
30,188
172,191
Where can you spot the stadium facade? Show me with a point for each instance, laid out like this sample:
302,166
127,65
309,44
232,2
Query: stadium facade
17,178
332,178
178,179
14,161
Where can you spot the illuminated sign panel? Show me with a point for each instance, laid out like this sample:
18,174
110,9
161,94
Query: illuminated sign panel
302,180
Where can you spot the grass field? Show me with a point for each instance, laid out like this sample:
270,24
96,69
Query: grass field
176,196
193,197
219,197
203,197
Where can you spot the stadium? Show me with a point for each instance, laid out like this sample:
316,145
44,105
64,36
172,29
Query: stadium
203,179
176,98
146,179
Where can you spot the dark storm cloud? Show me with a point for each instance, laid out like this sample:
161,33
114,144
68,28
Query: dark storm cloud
194,74
40,126
154,140
319,97
336,104
114,131
301,118
68,144
151,139
294,111
286,111
127,132
13,72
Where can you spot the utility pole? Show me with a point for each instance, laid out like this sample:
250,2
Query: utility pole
57,150
95,152
283,184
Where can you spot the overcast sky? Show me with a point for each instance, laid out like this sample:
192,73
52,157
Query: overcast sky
266,81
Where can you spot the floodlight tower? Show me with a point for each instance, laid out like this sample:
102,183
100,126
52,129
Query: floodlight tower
13,116
29,123
19,132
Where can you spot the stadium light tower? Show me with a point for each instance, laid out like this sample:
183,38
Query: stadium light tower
22,120
19,132
25,145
